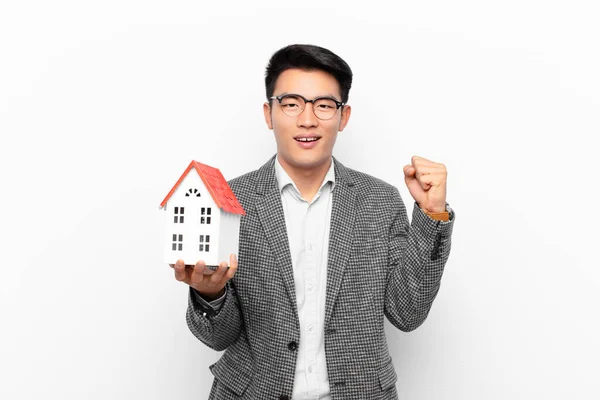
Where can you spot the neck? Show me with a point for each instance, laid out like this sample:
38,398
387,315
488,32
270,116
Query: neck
308,181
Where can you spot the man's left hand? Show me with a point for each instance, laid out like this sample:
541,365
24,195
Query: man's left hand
426,182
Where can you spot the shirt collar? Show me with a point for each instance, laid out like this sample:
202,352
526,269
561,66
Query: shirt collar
283,179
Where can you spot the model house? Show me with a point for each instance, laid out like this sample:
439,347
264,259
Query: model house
202,217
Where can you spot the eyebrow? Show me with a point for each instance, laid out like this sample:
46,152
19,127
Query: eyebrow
317,97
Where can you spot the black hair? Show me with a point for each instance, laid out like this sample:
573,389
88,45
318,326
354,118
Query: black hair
308,57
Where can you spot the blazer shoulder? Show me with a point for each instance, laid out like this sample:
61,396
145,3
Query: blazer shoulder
246,180
369,183
244,187
375,193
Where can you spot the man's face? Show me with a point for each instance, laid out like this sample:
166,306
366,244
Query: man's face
294,152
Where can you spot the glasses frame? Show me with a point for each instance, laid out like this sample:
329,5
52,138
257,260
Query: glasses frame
337,103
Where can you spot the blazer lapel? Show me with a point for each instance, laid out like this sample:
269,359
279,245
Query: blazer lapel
340,236
270,213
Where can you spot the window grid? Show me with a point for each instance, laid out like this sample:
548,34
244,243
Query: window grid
177,242
205,211
204,243
178,217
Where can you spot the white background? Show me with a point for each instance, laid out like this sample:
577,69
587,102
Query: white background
104,104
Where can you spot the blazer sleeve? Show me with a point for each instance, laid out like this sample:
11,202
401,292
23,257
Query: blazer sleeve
218,329
417,254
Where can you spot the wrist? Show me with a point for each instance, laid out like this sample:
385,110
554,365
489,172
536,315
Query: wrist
434,210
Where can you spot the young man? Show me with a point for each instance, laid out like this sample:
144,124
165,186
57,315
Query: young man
325,252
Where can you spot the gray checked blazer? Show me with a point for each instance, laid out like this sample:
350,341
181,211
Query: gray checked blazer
378,265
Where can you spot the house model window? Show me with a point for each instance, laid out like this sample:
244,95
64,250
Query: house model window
204,240
177,242
178,217
205,215
193,192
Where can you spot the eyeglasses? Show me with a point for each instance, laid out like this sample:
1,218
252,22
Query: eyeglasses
294,104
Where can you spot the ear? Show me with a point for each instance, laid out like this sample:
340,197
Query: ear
346,111
267,112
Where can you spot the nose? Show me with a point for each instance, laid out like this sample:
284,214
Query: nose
307,117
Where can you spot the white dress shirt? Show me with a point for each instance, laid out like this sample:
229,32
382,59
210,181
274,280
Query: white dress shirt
308,226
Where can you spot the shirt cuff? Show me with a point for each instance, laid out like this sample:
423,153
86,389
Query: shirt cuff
214,305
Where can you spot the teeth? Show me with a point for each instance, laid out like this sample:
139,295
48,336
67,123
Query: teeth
306,139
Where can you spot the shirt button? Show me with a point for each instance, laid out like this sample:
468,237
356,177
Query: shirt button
310,328
310,369
310,288
292,346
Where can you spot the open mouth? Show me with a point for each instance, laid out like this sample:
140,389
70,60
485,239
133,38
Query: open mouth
307,139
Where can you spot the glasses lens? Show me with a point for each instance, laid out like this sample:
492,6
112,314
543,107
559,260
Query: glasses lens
325,108
292,105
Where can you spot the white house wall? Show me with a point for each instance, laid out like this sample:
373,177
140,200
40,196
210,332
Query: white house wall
229,236
191,228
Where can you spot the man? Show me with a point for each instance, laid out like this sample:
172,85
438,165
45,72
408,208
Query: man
325,252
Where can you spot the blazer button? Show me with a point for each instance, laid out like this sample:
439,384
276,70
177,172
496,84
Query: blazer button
284,397
293,346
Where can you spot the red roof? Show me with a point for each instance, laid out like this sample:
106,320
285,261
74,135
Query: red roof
216,185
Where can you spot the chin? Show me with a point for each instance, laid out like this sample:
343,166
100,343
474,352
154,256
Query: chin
309,163
304,159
